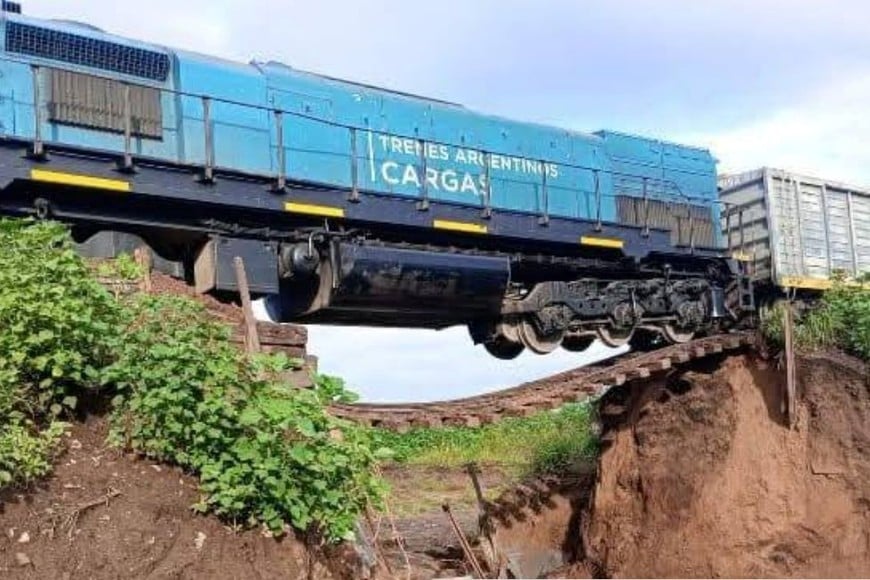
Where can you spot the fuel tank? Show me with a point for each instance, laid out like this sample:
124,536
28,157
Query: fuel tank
382,285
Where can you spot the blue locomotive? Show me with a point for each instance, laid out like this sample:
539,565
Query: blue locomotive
353,204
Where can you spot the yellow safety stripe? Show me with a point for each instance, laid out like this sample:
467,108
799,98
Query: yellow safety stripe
466,227
816,283
79,180
312,209
602,242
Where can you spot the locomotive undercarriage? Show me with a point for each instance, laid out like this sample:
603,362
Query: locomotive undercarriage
643,313
508,304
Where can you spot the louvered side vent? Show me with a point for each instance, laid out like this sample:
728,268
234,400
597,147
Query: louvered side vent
84,51
672,216
98,103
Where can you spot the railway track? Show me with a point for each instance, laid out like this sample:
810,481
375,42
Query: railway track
541,395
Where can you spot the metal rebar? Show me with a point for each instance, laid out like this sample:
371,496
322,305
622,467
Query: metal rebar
728,212
598,224
281,178
208,170
691,227
127,163
354,168
423,204
545,197
487,187
852,234
645,231
38,149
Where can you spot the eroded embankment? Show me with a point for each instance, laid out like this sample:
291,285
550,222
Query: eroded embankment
700,475
104,514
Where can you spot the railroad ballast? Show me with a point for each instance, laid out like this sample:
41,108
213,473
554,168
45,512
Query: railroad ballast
355,204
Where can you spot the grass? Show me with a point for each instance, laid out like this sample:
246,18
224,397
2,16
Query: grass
548,442
841,320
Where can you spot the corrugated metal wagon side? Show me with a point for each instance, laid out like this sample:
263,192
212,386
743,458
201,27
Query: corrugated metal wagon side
796,230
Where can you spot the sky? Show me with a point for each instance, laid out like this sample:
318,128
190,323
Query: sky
776,83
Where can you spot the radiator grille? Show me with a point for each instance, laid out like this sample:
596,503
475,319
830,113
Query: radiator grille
94,102
680,218
81,50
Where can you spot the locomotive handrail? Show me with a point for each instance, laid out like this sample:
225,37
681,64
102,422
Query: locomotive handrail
670,191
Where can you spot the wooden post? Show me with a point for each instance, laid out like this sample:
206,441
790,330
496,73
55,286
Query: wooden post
252,338
790,371
491,552
463,542
142,256
473,472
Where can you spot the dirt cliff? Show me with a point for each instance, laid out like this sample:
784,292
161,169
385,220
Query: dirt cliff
701,476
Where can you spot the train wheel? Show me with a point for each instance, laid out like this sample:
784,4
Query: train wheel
504,349
577,343
613,337
675,336
536,341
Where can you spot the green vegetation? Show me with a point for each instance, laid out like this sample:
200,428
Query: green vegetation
264,452
840,320
57,329
542,443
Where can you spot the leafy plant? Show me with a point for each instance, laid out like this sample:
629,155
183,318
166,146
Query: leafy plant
332,390
26,453
265,452
840,319
57,331
59,326
123,267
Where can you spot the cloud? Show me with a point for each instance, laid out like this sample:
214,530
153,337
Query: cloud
385,364
826,133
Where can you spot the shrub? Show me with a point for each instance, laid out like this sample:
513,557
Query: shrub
265,452
840,319
59,325
57,331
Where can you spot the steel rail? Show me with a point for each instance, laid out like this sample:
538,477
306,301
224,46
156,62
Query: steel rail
541,395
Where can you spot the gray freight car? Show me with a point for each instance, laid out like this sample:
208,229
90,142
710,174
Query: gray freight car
795,230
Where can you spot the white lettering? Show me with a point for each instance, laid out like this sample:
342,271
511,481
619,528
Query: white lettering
410,176
432,177
450,181
468,184
386,168
552,171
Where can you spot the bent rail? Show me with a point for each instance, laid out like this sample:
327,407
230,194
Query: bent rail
541,395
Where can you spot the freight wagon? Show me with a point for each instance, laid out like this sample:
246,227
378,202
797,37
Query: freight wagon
354,204
796,231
